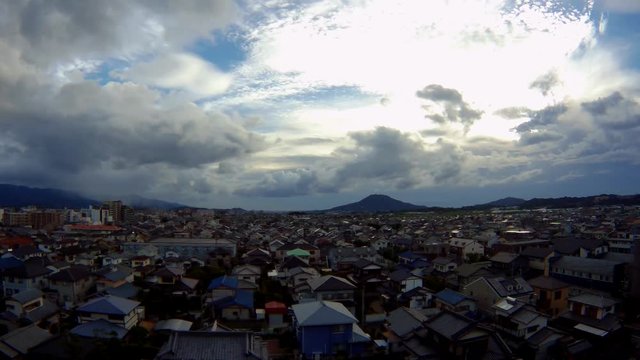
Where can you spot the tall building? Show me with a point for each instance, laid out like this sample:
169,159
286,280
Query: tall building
115,210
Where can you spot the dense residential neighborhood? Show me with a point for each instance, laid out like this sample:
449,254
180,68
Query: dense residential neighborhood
503,283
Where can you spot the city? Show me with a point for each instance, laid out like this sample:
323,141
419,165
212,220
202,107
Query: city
502,283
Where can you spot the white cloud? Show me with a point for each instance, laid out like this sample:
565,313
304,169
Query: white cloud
179,71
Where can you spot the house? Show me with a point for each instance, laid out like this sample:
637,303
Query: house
509,264
462,248
139,261
367,273
250,273
327,328
539,258
466,273
71,285
257,257
313,252
455,336
454,301
100,329
123,312
204,345
31,274
517,318
590,273
330,287
444,265
487,291
113,276
232,298
403,324
403,280
552,295
31,305
416,298
17,343
590,315
582,247
343,258
275,312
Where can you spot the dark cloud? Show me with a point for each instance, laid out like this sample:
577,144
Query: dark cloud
513,112
545,83
601,105
285,183
542,118
455,109
532,138
55,31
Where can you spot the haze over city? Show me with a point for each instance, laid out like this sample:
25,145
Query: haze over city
307,105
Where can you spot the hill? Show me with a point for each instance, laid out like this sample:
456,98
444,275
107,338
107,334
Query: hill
18,196
378,203
505,202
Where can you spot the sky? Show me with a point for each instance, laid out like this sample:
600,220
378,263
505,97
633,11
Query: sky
300,105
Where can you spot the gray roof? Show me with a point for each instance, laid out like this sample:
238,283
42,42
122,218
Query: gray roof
465,270
548,283
403,321
587,265
27,295
198,345
449,324
173,325
330,283
23,339
593,300
322,313
510,287
504,257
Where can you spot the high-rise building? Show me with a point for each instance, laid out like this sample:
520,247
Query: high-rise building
115,210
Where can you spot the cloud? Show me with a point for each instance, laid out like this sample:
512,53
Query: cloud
541,118
455,109
545,83
601,105
285,183
179,71
51,33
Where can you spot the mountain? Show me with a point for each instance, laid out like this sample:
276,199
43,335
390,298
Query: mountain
587,201
505,202
378,203
18,196
136,201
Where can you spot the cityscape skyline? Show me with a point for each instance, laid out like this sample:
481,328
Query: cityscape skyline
309,105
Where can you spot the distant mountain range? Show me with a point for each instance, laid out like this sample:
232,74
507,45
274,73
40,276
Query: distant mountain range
19,196
563,202
378,203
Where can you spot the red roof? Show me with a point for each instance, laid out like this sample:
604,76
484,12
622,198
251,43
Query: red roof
275,307
16,240
94,227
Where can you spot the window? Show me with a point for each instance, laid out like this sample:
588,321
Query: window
557,295
338,328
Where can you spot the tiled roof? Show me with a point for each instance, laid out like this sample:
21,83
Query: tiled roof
198,345
71,274
548,283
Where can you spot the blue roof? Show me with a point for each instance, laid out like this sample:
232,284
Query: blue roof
111,305
224,281
243,298
449,296
10,262
100,329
